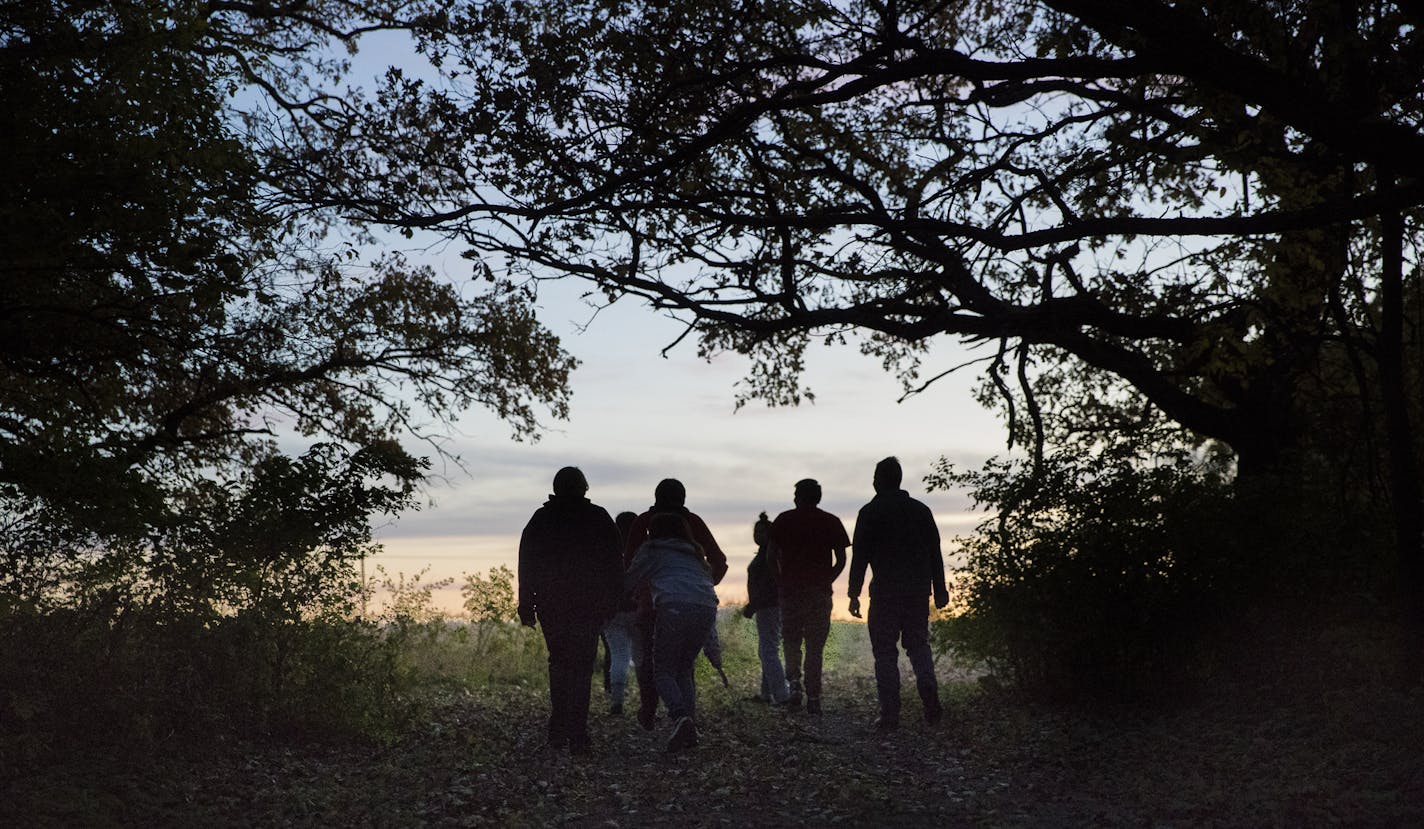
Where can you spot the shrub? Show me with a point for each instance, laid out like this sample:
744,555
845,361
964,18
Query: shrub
1098,576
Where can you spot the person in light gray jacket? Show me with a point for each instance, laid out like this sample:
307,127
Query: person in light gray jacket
675,570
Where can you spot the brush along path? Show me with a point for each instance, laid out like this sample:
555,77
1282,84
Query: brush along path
478,760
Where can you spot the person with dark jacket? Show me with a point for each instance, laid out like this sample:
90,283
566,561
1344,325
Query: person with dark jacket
764,605
570,582
896,537
669,496
675,572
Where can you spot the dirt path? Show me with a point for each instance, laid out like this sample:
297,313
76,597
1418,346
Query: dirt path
478,760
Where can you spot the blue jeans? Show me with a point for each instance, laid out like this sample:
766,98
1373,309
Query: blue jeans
679,636
621,633
905,619
773,674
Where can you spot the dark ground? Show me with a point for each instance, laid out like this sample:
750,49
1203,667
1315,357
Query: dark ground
1326,754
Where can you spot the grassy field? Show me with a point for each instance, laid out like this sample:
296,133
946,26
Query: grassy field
1327,753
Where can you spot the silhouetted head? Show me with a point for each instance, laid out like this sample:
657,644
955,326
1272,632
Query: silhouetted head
808,492
761,530
624,522
670,493
669,525
570,481
888,475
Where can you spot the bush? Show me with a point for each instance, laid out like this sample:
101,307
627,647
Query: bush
1099,577
75,679
436,651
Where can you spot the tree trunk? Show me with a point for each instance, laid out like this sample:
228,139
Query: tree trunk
1406,500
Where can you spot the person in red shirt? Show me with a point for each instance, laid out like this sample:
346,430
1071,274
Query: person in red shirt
669,496
810,548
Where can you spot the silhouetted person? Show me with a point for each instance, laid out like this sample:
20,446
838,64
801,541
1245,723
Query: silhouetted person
675,571
620,635
810,549
669,496
570,581
764,605
896,537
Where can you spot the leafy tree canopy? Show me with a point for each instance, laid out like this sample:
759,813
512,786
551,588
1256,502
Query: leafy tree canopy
165,313
1176,202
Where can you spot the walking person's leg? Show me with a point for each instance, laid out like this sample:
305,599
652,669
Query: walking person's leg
620,638
773,674
556,641
647,682
882,624
681,632
793,630
583,660
818,630
915,637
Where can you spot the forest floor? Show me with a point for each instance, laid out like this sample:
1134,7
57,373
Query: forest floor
1317,758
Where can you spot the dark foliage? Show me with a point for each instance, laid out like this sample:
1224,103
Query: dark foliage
1104,578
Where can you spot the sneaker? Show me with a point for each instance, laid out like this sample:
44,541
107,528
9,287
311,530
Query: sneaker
647,717
684,735
885,722
793,702
813,706
615,710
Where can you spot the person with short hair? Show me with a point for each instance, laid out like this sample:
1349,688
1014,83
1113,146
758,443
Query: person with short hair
896,537
570,581
810,550
674,570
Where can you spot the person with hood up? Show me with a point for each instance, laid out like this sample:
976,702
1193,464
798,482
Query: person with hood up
674,570
570,582
669,496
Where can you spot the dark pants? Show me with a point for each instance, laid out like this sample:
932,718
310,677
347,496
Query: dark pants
647,683
573,649
905,619
681,632
805,618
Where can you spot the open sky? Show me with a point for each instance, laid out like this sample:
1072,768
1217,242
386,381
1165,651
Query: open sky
638,417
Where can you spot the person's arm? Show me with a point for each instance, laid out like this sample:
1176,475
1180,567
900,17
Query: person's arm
716,559
838,548
529,560
863,547
936,560
860,559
